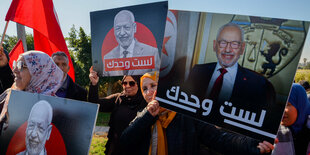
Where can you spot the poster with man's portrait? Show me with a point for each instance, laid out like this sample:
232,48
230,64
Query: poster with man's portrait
128,40
40,124
233,71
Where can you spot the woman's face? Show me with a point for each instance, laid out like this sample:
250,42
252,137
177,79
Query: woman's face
290,115
21,73
149,87
130,86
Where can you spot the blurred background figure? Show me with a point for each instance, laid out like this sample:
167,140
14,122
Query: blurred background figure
306,85
34,72
6,74
69,89
124,107
294,131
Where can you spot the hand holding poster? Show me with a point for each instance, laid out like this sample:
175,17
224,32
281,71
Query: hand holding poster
237,70
130,41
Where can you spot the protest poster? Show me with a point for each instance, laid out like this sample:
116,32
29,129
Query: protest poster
46,124
128,40
251,100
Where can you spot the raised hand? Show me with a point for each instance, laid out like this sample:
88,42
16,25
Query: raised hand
153,106
93,76
265,147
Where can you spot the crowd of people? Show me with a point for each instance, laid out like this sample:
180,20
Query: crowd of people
138,125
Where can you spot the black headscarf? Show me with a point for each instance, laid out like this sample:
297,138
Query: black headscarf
6,76
136,101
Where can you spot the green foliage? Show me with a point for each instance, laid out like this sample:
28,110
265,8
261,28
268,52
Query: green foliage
98,145
30,42
80,50
302,74
10,41
103,119
307,66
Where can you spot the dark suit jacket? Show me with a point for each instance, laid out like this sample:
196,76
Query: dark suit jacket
251,90
76,92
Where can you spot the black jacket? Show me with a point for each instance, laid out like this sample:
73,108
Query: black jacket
75,91
184,137
6,78
124,109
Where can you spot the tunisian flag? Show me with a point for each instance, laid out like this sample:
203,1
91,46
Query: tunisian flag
41,16
16,51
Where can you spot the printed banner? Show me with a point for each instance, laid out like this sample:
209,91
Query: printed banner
46,124
128,34
233,71
133,63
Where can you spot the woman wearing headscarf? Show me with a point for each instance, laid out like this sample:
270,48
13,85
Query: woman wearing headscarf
158,131
6,74
34,72
294,132
124,107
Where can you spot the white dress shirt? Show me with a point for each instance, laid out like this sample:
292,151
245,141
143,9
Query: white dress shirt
228,81
129,49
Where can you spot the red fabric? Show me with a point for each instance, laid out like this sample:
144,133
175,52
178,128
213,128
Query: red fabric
217,85
54,145
41,16
16,51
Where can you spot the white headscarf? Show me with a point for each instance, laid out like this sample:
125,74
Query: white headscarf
46,77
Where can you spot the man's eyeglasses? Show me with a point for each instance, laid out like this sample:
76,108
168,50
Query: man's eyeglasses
20,65
131,83
233,44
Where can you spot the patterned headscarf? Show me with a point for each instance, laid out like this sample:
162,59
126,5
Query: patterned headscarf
46,77
298,98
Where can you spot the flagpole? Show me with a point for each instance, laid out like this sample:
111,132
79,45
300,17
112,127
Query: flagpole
3,35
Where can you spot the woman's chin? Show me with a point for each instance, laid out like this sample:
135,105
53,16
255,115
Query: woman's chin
148,100
18,87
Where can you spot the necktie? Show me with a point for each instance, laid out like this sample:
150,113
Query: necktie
217,85
125,54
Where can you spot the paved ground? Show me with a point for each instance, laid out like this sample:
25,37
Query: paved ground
101,130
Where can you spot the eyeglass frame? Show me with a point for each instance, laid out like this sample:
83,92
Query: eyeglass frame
230,44
130,83
20,65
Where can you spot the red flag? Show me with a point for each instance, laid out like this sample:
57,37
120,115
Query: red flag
16,51
41,16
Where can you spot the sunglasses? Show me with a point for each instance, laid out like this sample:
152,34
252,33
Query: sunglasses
131,83
20,65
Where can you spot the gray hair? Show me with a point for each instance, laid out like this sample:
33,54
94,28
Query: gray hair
231,24
60,53
125,12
